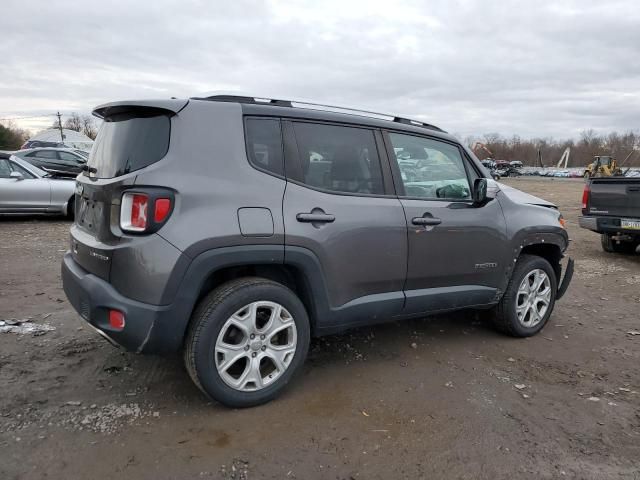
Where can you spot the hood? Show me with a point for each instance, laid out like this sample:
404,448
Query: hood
518,196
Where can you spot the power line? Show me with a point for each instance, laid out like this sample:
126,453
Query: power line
24,118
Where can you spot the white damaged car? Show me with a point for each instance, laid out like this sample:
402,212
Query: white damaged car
26,189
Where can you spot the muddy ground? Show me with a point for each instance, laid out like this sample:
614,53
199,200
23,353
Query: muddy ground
442,397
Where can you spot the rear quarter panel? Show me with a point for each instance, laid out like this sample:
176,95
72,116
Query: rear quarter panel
62,192
207,167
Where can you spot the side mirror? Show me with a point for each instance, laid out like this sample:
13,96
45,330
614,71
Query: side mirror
480,191
17,175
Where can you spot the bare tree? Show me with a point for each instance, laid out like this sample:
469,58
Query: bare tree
89,127
74,122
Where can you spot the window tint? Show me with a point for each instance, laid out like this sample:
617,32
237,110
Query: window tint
429,168
49,154
130,141
264,144
343,159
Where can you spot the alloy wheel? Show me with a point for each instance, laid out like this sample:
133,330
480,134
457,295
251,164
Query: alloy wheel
255,346
533,298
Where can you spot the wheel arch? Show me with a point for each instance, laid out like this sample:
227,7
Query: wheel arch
549,245
220,265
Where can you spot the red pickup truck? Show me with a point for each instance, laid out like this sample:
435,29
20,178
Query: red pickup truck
611,207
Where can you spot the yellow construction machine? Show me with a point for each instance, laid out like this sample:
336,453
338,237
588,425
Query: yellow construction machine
602,166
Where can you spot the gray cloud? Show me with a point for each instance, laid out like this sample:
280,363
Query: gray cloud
528,68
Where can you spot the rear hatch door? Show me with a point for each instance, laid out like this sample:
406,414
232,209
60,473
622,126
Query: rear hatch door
131,137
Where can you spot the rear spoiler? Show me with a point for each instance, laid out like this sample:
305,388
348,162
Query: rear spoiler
173,106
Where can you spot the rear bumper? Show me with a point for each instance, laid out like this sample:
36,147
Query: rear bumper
590,223
146,325
605,225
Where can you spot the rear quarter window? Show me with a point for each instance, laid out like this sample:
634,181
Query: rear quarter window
264,144
130,141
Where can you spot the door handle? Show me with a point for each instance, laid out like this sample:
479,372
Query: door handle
427,221
315,217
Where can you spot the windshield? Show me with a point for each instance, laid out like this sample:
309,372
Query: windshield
130,141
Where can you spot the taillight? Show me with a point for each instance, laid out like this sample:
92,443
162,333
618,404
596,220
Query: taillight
145,212
585,197
161,210
133,212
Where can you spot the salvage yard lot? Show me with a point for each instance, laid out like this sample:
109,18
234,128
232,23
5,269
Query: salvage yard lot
444,397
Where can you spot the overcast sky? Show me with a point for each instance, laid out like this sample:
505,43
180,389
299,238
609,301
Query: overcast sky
543,68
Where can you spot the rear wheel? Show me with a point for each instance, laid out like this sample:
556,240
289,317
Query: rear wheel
612,246
247,339
529,298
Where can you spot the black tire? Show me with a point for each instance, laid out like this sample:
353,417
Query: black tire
208,319
71,208
505,317
611,246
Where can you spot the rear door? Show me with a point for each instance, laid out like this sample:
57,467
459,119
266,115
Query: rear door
46,159
70,163
129,139
457,251
339,206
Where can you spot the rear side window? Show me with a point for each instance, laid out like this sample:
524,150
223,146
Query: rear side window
264,144
48,154
130,141
342,159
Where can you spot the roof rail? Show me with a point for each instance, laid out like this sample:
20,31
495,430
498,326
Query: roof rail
238,98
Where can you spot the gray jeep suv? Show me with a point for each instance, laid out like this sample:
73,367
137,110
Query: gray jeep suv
235,228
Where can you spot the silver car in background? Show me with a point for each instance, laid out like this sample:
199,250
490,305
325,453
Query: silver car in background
26,189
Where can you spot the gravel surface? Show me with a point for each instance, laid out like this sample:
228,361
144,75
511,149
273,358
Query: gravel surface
443,397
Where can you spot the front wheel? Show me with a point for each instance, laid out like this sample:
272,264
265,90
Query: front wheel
529,298
246,340
71,208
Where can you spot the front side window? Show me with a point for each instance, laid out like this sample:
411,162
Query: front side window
264,144
342,159
429,168
17,168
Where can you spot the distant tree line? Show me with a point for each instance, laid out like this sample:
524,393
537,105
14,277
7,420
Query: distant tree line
583,150
12,137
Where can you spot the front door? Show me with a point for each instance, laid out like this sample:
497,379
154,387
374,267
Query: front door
457,250
339,207
29,194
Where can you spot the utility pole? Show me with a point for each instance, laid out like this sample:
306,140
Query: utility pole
60,126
